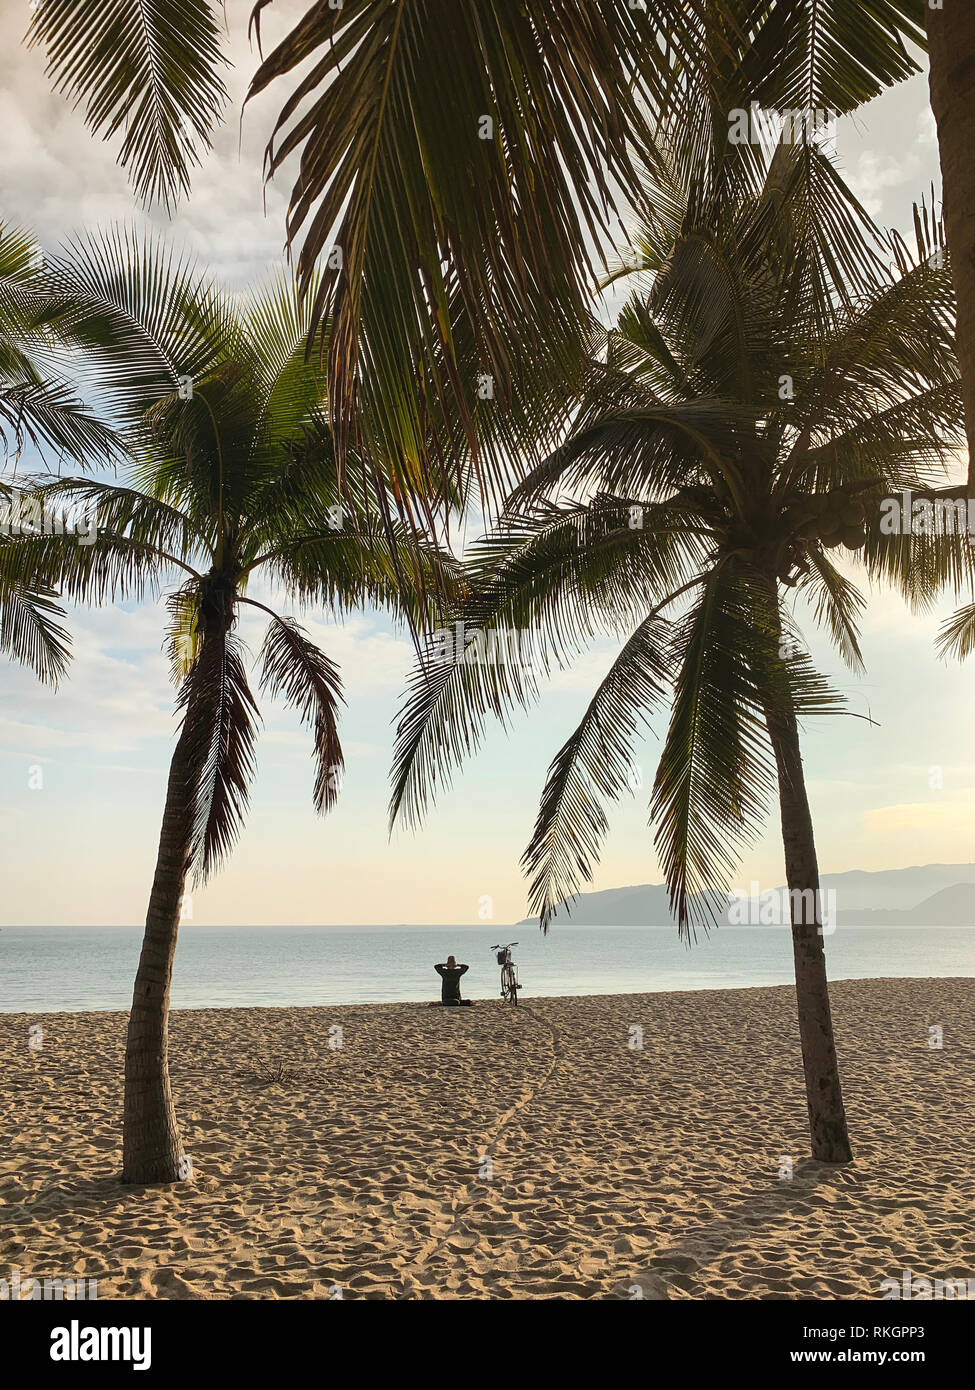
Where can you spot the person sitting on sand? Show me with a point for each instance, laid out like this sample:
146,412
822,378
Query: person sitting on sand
450,975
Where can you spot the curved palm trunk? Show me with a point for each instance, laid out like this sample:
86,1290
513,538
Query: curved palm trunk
824,1096
951,44
151,1146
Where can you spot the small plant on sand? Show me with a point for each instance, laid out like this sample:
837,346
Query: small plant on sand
270,1071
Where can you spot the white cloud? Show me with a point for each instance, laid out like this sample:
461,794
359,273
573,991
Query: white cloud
875,173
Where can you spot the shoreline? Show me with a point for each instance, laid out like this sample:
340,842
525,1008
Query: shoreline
490,1002
548,1151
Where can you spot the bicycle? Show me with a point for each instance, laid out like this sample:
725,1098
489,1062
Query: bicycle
509,972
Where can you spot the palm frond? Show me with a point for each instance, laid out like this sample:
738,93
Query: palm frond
593,765
478,144
183,640
111,567
714,781
957,635
837,604
31,633
539,586
220,717
330,556
146,317
49,414
148,70
126,511
36,403
919,563
833,57
295,668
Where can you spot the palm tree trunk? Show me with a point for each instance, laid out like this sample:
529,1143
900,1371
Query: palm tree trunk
151,1145
951,44
824,1095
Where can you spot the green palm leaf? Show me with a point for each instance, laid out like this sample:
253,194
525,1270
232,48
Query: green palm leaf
220,719
832,56
31,633
541,584
714,781
838,605
456,147
148,69
36,403
296,668
595,764
957,635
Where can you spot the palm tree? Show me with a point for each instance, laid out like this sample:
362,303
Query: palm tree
37,404
770,383
40,410
474,150
231,477
951,46
493,147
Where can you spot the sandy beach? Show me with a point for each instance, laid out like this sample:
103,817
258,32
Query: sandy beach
364,1167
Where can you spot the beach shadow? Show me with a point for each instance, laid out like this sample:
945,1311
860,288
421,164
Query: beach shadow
80,1194
760,1211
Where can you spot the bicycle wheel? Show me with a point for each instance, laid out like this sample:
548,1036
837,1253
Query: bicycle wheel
514,985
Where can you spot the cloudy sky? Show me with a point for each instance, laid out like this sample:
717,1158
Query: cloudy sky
82,772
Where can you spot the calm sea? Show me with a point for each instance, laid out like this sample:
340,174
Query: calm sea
49,969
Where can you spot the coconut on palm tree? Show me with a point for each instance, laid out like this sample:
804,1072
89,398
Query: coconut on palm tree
769,384
231,481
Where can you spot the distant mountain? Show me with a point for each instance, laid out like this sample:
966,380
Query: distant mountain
952,907
897,888
927,895
645,905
